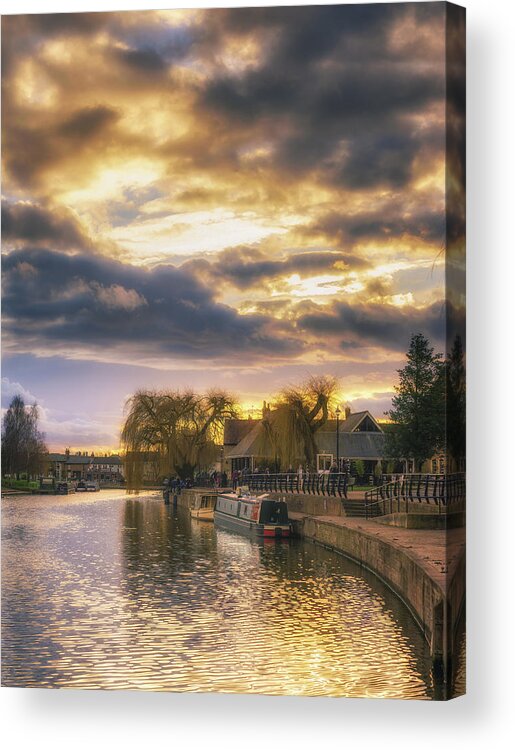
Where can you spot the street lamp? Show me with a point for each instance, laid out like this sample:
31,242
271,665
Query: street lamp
338,412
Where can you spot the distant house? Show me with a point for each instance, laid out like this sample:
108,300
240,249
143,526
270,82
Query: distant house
106,469
360,437
78,465
54,465
83,465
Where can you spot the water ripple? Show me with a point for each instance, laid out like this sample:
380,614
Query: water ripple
109,592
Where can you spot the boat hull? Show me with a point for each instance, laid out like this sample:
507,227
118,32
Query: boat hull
203,514
251,528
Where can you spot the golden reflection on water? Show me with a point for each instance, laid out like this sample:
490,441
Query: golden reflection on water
109,592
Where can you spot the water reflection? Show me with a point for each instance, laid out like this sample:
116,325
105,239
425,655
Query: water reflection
110,592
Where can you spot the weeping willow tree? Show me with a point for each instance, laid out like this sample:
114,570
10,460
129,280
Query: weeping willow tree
291,424
180,430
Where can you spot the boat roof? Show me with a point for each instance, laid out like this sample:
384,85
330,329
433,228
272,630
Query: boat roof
243,498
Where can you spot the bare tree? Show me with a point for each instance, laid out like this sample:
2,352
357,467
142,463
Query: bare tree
22,442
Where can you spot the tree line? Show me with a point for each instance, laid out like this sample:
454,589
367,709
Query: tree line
184,429
23,444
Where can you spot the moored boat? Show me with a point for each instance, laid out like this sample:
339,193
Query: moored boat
203,507
65,488
253,515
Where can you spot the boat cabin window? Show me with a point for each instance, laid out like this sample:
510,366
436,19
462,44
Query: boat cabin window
273,512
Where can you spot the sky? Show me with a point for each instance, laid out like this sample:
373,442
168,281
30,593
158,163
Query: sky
232,198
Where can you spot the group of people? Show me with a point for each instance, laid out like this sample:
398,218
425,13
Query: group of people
218,479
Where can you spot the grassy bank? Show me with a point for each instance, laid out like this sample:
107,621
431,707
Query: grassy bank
19,484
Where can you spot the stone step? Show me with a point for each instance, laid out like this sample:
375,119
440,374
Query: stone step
357,509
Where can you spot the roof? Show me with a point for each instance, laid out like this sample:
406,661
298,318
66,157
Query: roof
56,457
366,445
236,429
353,445
250,445
113,460
350,424
80,459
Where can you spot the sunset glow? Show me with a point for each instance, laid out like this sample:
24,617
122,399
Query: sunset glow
213,198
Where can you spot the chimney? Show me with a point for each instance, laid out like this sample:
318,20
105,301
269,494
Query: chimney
347,412
67,453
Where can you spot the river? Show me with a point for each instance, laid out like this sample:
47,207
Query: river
113,591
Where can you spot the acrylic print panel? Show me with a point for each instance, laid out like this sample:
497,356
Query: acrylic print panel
233,350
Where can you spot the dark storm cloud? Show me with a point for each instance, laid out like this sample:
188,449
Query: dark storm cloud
141,60
307,32
336,93
23,34
382,325
381,225
86,123
85,301
152,46
246,267
30,148
456,125
67,23
30,223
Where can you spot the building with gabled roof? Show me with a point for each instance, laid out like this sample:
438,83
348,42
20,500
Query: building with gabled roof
360,437
83,465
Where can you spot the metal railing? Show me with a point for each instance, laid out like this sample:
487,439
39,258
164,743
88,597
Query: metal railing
440,490
330,485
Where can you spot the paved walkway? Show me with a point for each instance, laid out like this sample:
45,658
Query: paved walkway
437,552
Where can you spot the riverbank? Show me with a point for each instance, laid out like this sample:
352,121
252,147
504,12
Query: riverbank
424,567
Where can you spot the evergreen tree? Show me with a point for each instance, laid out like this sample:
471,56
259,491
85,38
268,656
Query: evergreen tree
22,442
359,466
418,408
456,402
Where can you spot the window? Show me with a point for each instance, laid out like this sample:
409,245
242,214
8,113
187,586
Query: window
324,461
366,425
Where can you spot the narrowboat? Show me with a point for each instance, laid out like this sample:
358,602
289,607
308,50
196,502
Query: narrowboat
87,486
65,488
203,507
255,516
